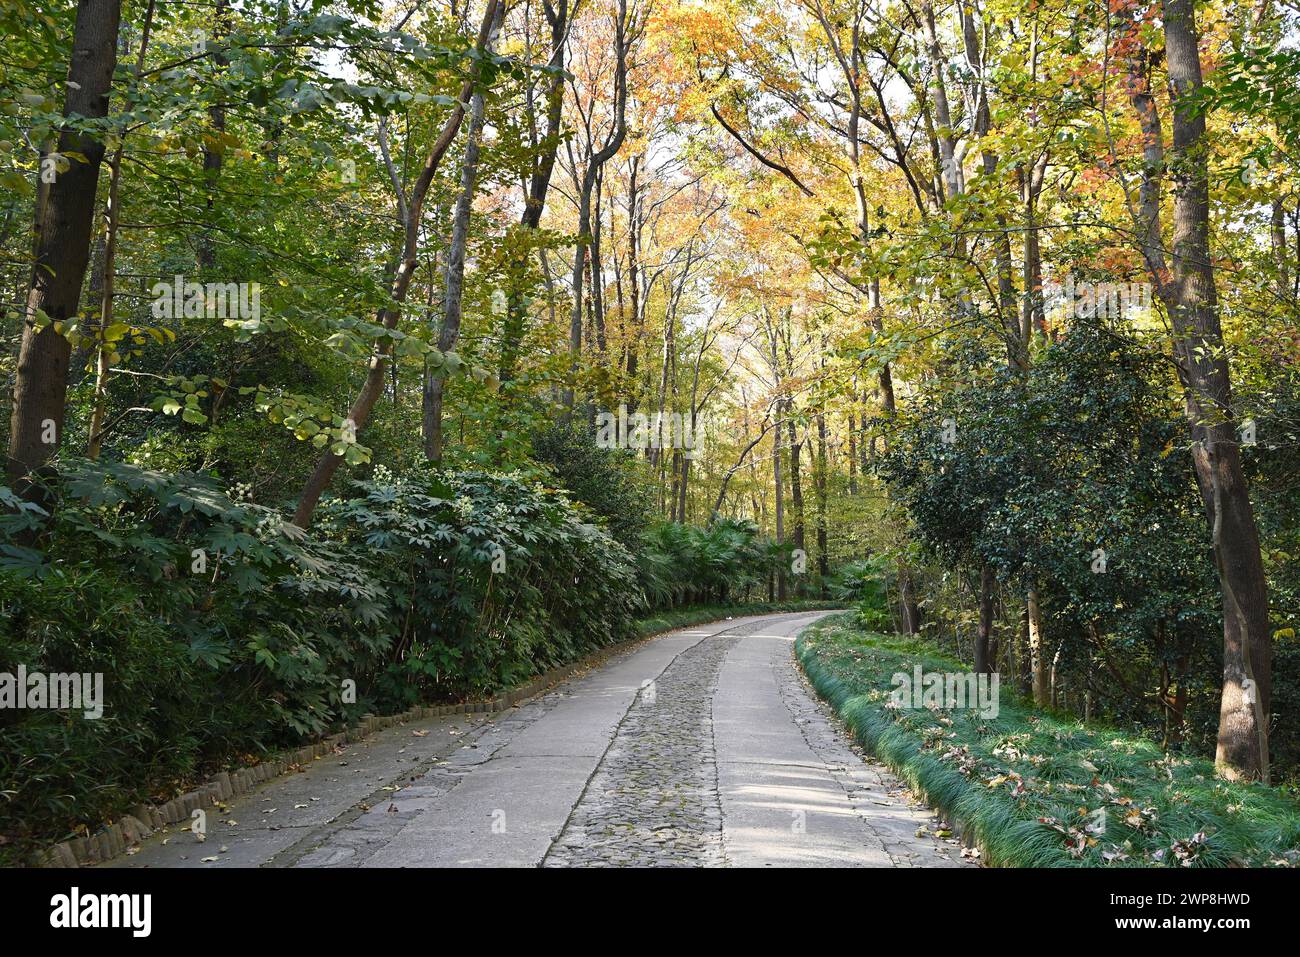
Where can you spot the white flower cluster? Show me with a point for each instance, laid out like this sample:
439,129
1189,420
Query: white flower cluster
240,492
267,526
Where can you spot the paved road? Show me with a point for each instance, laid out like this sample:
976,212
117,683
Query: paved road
702,747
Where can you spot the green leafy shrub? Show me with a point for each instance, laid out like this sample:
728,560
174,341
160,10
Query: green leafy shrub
218,627
865,584
1082,457
727,561
492,578
608,481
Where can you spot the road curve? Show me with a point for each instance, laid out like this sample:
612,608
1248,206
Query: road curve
701,747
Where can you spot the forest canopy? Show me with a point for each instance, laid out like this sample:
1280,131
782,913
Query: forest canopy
431,345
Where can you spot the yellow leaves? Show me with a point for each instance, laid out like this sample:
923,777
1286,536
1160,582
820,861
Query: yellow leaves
218,141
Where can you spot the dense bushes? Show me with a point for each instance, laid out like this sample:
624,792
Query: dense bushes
865,583
490,579
220,629
1075,479
611,482
728,561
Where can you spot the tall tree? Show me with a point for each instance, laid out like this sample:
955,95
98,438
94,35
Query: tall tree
388,316
63,223
627,28
538,183
1191,298
454,287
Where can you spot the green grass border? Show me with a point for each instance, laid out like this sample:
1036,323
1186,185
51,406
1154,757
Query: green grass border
1162,810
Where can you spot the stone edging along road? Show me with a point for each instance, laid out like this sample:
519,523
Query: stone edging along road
704,746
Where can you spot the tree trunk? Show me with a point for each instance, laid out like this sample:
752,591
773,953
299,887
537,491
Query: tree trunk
212,158
865,443
1056,690
594,163
853,455
909,610
538,185
681,491
952,179
1008,313
1031,181
94,300
1277,234
1191,298
108,279
455,284
779,506
62,224
796,503
823,558
1032,311
596,271
984,663
633,280
1037,652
